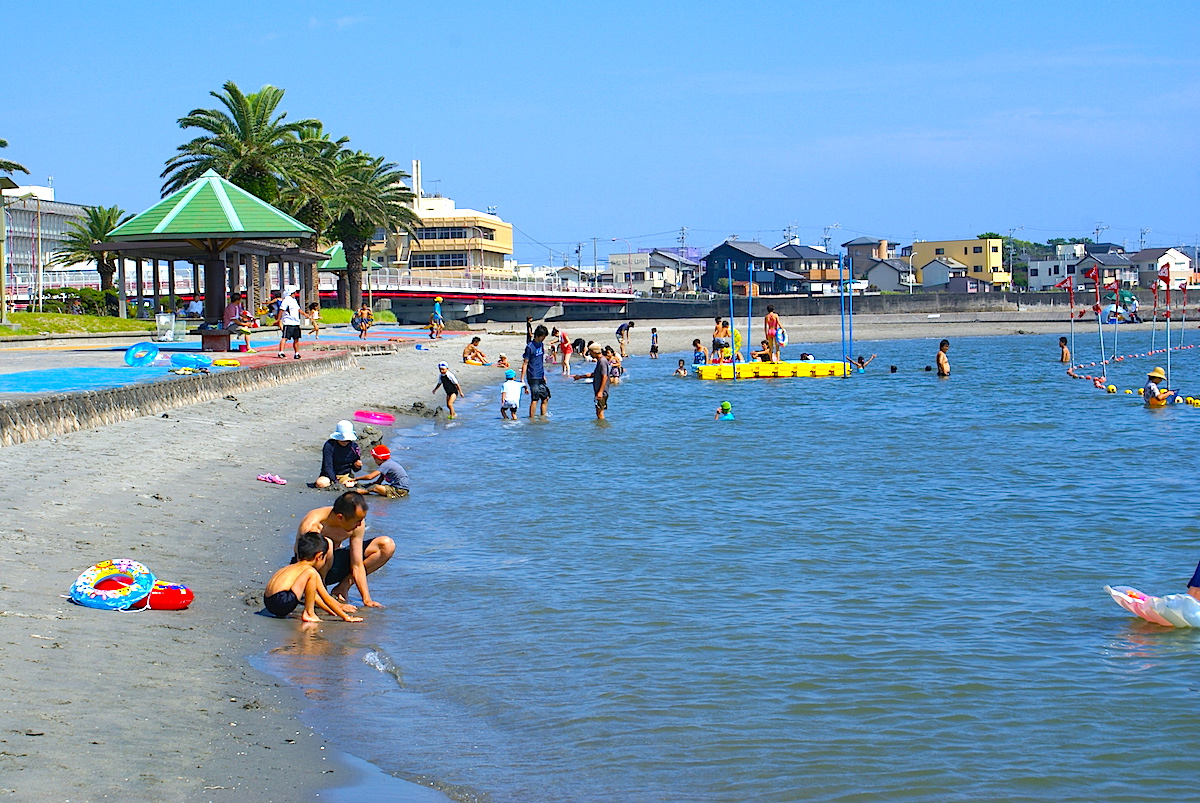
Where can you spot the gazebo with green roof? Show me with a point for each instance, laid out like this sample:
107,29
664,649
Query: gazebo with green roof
209,222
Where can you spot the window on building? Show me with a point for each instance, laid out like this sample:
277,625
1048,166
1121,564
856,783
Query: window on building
455,233
977,249
1070,270
438,261
939,251
977,268
638,276
964,249
1033,271
995,249
1054,271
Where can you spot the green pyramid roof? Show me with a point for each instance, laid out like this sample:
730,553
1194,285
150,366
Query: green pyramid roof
210,207
337,260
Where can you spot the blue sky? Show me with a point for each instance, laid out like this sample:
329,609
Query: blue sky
932,120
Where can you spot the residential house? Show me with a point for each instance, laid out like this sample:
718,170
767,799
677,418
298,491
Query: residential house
1149,261
749,262
937,273
984,258
890,275
1045,273
817,270
864,252
653,271
1110,265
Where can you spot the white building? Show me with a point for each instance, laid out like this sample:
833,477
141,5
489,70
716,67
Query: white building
37,227
1149,261
1045,273
654,272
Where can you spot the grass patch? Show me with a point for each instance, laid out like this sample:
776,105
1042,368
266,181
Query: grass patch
34,323
339,315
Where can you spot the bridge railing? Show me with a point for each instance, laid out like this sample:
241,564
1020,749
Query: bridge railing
392,279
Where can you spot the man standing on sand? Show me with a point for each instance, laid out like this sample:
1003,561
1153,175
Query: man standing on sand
349,558
599,377
533,370
288,321
943,362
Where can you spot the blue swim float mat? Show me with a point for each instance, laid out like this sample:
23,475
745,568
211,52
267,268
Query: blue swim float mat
191,361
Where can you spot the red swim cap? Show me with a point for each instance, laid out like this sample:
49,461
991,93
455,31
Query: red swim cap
381,453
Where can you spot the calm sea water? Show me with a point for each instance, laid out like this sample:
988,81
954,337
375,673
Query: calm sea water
888,587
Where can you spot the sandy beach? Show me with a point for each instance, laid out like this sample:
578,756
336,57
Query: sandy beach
164,705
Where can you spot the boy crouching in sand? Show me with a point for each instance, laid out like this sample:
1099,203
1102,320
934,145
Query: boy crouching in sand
302,579
390,480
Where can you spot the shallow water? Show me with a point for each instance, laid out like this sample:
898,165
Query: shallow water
883,587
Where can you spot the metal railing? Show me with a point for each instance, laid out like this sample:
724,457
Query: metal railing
398,280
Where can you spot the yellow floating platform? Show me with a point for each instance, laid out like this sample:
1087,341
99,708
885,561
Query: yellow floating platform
755,370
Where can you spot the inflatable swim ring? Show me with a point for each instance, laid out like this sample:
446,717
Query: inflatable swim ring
163,597
1173,610
781,336
737,339
475,362
370,417
191,360
141,354
226,363
85,592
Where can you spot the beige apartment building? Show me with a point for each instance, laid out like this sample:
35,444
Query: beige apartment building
984,259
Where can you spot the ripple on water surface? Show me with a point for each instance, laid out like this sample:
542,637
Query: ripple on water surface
882,588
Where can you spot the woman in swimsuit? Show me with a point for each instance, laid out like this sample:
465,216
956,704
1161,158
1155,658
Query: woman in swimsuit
699,353
771,323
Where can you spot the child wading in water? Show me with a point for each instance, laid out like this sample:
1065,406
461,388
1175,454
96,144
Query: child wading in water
510,395
448,383
724,412
682,369
302,580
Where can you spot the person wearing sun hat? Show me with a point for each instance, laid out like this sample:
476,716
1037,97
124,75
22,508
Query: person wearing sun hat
389,479
436,322
340,457
288,320
510,395
1151,395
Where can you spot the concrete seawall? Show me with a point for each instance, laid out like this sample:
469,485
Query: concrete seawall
56,414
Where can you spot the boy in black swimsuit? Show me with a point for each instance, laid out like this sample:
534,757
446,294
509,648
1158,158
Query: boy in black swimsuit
303,580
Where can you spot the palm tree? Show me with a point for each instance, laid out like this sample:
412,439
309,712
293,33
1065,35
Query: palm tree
93,228
7,166
368,194
247,142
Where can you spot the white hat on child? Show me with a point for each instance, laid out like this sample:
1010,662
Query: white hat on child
344,432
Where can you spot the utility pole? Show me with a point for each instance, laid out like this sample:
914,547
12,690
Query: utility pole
683,241
595,267
1142,238
789,234
1100,229
825,238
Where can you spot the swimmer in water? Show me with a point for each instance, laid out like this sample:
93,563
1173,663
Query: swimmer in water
1065,355
943,361
724,412
682,369
860,363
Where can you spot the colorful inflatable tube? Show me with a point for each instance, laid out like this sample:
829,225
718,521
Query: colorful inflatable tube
140,355
114,596
371,417
1173,610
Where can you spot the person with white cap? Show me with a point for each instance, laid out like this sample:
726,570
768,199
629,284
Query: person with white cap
340,457
288,320
1151,395
448,383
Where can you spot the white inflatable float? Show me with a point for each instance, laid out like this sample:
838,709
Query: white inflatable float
1173,610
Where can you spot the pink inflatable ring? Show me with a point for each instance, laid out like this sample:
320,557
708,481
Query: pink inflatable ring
369,417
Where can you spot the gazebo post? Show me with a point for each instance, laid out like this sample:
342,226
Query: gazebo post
121,297
154,292
251,283
196,281
214,286
137,269
235,270
171,282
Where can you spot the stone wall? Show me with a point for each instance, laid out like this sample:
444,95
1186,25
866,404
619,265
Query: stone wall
56,414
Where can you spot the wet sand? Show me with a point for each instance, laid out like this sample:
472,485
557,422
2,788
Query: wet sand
165,705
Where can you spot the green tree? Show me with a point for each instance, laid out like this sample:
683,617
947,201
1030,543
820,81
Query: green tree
10,167
98,221
367,195
249,143
990,235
